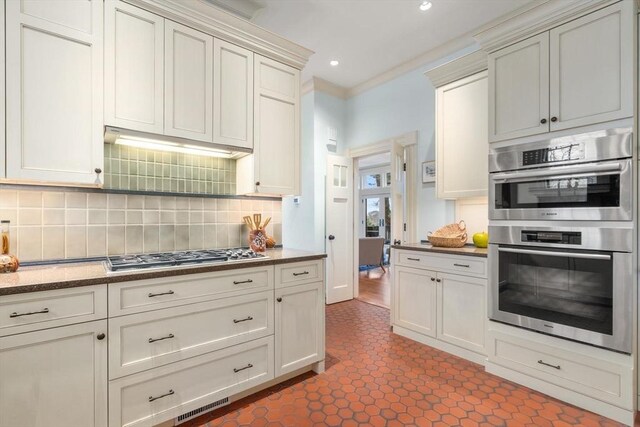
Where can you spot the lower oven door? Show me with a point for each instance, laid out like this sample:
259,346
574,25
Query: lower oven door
580,295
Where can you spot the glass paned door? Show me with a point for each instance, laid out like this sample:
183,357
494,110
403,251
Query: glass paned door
377,217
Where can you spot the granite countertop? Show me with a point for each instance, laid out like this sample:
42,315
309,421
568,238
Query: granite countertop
60,276
468,250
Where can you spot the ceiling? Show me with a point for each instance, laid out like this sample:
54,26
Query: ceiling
369,37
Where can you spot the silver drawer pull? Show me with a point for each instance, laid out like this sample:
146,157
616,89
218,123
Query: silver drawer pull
43,311
549,365
461,265
151,398
161,293
236,370
301,274
160,339
413,259
242,320
242,281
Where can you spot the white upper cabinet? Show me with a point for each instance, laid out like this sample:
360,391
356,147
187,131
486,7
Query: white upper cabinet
577,74
3,172
188,84
592,68
274,164
54,91
134,68
519,89
232,95
461,138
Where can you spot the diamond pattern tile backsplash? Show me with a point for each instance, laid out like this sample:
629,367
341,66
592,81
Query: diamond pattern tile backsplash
137,169
56,224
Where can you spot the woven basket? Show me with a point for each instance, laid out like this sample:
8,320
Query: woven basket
449,236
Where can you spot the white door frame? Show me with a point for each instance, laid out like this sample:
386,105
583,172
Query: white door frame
409,141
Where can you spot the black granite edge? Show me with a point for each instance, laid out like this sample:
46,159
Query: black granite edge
450,251
132,192
142,275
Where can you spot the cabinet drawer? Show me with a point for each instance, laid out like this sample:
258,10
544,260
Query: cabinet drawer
467,265
40,310
154,294
151,397
299,273
147,340
575,370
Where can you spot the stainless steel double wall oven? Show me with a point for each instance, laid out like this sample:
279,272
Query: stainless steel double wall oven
561,227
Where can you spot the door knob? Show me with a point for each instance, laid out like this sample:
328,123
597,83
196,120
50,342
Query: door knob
332,237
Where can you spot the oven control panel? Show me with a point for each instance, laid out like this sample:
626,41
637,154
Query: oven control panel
562,153
559,237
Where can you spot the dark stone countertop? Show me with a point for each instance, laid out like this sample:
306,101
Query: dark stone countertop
60,276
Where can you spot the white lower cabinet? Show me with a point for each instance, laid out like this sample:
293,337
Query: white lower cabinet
155,396
55,377
299,326
443,306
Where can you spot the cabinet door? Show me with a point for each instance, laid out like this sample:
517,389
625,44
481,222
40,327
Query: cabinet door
54,91
55,378
519,89
134,68
232,95
462,311
461,138
299,326
3,171
188,83
277,127
414,300
592,68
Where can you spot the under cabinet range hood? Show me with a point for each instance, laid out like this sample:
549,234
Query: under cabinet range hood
151,141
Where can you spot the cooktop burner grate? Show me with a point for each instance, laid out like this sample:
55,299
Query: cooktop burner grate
167,259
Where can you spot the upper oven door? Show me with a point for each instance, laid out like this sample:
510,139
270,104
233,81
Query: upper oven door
593,191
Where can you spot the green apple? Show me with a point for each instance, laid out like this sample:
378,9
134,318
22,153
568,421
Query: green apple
481,240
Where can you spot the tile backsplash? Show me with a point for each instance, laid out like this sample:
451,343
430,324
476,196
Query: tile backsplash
137,169
48,225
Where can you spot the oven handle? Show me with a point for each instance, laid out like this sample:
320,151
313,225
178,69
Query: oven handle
558,254
558,172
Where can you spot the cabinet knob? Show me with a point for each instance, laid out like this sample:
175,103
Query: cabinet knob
554,119
257,182
438,280
101,336
98,171
543,121
279,299
433,279
331,237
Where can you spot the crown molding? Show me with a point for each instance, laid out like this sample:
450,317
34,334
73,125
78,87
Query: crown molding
535,19
316,84
204,16
458,68
246,9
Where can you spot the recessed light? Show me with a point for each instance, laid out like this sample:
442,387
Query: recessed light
334,63
425,5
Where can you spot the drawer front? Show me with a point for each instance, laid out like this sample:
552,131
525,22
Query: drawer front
155,396
458,264
599,379
299,273
40,310
154,294
148,340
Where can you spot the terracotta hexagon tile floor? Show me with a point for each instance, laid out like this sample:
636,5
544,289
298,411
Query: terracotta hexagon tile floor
376,378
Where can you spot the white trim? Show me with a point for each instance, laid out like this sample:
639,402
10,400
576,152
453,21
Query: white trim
204,16
535,19
457,69
246,9
383,146
316,84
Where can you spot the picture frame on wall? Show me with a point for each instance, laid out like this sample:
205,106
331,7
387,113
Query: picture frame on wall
428,171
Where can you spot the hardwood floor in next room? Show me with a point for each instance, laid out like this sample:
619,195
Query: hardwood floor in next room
376,378
375,287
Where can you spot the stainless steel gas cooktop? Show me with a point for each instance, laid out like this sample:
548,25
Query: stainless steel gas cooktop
181,258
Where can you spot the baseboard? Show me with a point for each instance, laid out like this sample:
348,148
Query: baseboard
584,402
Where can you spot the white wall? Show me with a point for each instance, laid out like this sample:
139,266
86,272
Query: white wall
404,104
